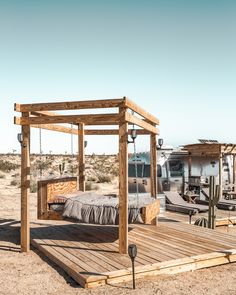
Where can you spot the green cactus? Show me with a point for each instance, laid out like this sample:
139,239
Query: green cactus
214,197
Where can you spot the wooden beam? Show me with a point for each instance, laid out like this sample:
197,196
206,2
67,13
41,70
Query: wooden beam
81,159
70,105
95,119
43,113
70,130
137,109
123,184
25,186
141,123
153,166
56,128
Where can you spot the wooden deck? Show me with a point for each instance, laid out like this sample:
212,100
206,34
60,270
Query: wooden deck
89,253
223,217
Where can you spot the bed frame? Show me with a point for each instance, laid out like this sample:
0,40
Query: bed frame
49,188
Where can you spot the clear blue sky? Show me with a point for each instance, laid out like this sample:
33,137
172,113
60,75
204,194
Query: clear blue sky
177,59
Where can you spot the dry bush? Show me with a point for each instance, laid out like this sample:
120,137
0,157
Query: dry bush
104,178
92,178
33,186
15,182
7,166
89,186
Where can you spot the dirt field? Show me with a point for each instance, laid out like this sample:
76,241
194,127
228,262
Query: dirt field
34,274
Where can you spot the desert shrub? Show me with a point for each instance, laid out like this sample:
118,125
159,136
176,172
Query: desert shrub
33,186
2,176
104,178
40,165
72,169
89,186
15,182
115,171
15,175
92,178
7,166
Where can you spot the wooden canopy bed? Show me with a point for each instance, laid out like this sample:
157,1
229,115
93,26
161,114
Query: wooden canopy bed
42,115
54,193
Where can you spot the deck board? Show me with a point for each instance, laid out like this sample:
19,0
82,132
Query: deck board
89,253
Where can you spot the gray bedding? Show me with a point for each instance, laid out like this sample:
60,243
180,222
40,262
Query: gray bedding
90,207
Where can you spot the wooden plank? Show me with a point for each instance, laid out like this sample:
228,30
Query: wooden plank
71,248
68,266
137,109
141,123
112,132
74,131
89,119
81,159
69,105
123,183
48,189
43,113
57,128
153,167
25,187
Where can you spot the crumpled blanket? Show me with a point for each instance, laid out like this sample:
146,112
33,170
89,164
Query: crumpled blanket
90,207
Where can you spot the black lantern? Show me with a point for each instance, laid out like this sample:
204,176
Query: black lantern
160,142
20,137
132,250
133,135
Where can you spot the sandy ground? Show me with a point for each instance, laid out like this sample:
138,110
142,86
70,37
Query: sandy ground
34,274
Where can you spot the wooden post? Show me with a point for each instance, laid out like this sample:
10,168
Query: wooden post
189,169
220,174
81,159
25,186
123,184
153,166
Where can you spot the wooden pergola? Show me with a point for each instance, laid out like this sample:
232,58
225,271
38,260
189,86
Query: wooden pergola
217,150
42,115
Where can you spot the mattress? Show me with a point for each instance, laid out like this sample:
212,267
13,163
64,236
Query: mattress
90,207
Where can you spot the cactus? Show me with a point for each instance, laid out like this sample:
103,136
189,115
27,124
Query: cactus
214,197
62,168
201,222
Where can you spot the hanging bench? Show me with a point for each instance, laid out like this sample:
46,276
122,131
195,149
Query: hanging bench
59,199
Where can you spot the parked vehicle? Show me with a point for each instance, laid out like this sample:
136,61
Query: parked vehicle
172,171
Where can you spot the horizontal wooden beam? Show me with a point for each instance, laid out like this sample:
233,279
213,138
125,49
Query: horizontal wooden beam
57,128
43,113
113,132
137,109
141,123
74,131
69,105
96,119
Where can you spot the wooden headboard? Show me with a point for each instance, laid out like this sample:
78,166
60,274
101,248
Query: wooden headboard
48,189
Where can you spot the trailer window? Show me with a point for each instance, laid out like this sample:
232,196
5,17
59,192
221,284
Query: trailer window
132,170
176,168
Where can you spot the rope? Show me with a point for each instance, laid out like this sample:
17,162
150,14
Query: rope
40,151
71,142
136,173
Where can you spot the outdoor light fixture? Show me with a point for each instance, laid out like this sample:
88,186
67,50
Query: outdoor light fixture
85,143
20,137
190,214
132,250
160,143
133,135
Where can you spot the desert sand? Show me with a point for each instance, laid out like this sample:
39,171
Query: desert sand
33,273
